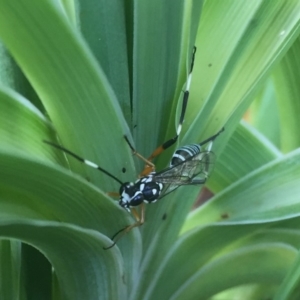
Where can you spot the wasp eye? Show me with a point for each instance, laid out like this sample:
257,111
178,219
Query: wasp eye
125,187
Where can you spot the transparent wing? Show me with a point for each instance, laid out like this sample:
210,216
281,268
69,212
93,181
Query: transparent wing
197,167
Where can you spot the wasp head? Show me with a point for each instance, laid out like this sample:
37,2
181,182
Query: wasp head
130,195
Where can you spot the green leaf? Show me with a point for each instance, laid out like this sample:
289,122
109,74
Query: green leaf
257,197
245,151
190,253
275,233
227,93
159,72
225,81
77,256
10,275
97,26
36,274
247,291
88,100
50,193
289,287
215,276
285,78
25,128
264,115
75,92
12,76
198,251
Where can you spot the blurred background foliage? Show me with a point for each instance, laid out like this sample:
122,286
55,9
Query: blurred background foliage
84,73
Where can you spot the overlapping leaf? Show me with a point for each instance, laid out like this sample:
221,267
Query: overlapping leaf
142,52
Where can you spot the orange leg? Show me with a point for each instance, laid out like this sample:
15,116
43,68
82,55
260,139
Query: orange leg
113,194
148,163
149,166
148,169
140,219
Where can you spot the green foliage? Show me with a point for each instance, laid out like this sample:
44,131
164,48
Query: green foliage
85,73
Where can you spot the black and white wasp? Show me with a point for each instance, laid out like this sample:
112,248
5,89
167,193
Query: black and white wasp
190,165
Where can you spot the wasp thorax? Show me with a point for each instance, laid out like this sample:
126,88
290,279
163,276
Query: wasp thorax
145,189
150,188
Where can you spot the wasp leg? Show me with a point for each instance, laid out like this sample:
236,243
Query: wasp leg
211,139
140,219
113,194
197,181
134,152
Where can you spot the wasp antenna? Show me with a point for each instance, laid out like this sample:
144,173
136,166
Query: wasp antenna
193,58
186,93
85,161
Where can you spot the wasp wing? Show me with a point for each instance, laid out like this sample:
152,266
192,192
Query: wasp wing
199,166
